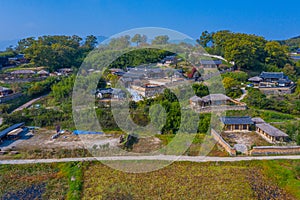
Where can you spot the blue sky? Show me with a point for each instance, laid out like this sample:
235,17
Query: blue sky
271,19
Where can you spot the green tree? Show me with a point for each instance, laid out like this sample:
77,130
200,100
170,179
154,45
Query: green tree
229,82
113,79
298,88
120,43
160,40
290,71
24,44
90,42
204,39
200,90
137,38
54,51
276,54
246,51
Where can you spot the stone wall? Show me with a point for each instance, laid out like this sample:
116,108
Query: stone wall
23,80
209,109
222,142
275,150
277,90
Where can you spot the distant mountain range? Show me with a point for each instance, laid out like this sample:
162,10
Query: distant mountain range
294,38
6,43
293,43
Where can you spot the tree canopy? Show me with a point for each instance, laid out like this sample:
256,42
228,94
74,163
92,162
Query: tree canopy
245,50
56,51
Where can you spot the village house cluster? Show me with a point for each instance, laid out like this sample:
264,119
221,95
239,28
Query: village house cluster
145,81
273,83
215,102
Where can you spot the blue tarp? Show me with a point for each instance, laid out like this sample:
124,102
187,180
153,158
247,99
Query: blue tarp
80,132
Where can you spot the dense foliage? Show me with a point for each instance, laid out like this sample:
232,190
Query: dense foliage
42,87
286,104
247,51
56,51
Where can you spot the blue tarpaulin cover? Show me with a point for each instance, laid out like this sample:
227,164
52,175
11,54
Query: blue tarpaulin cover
80,132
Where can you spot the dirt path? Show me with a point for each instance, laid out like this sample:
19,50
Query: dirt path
29,103
245,92
158,157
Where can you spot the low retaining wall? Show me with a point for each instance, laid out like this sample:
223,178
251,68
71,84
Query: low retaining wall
10,97
275,150
218,108
23,80
277,90
222,142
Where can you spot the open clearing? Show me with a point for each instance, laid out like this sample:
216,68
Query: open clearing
180,180
184,180
247,139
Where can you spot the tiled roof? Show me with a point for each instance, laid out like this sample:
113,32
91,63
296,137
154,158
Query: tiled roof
216,97
258,120
236,120
195,99
42,72
211,62
271,130
275,75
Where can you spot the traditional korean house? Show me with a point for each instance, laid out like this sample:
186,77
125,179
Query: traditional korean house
210,63
269,132
215,102
237,124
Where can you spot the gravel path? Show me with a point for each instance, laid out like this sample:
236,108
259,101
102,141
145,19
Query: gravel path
158,157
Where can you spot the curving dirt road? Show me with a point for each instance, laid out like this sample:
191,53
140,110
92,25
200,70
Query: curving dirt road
29,103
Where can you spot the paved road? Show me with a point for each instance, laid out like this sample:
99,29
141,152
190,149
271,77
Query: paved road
159,157
1,121
29,103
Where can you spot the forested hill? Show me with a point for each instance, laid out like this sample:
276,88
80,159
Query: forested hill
293,43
